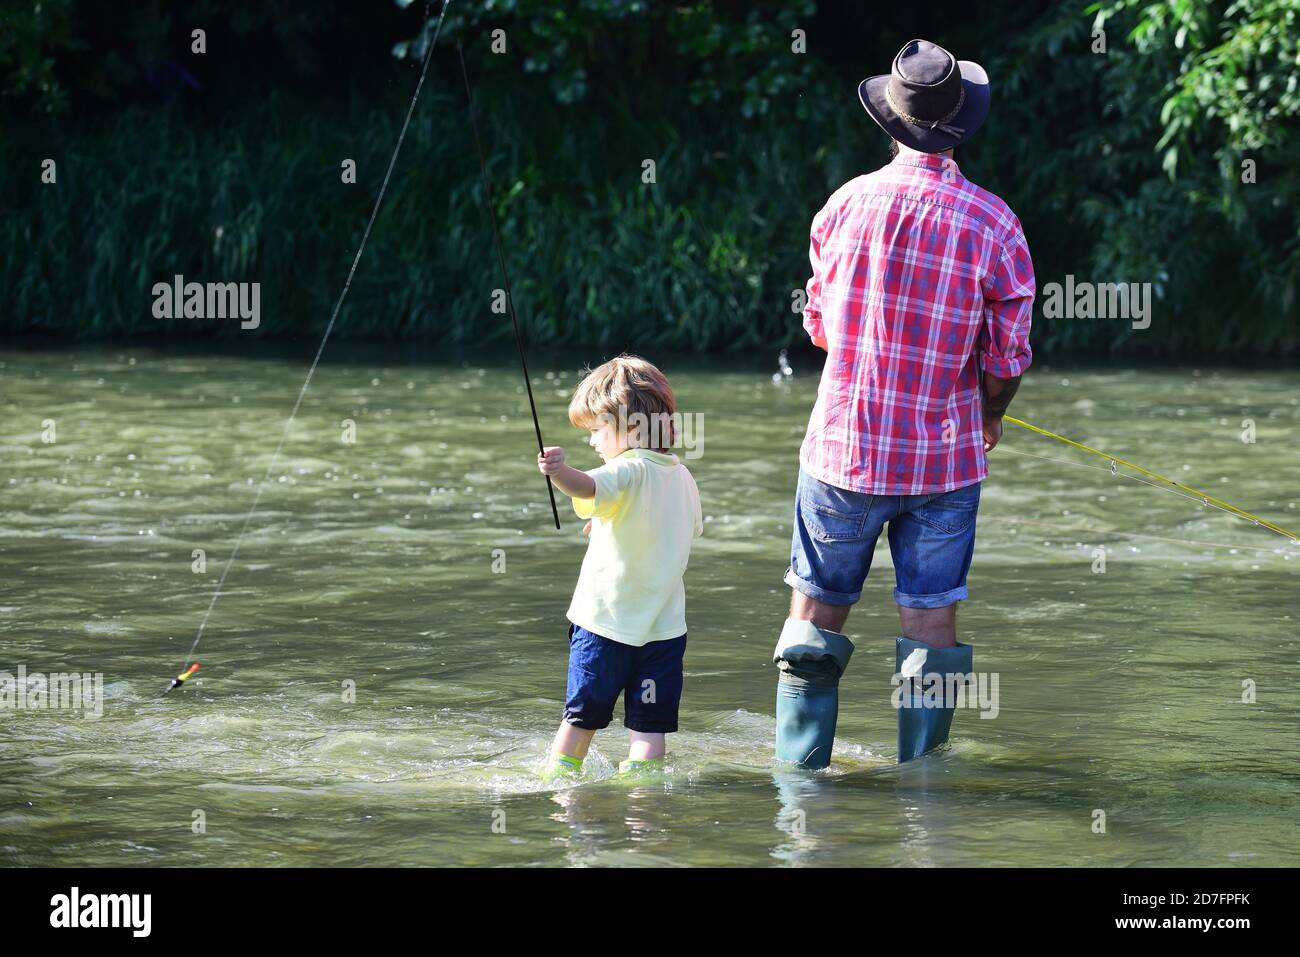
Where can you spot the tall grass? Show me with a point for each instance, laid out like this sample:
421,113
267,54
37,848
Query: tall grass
705,259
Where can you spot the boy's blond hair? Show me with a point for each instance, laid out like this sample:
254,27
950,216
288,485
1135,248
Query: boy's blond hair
620,388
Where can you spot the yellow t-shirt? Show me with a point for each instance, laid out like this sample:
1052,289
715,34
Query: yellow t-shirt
645,514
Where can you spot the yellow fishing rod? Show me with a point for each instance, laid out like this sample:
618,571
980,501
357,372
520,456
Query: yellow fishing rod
1116,460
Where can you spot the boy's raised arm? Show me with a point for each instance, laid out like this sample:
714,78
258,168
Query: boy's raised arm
572,482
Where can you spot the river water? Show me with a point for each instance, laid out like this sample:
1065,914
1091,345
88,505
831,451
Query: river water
1146,647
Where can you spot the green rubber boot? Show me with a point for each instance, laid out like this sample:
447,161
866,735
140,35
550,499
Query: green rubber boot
925,719
811,660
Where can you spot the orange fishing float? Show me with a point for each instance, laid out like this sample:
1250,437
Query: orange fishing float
183,677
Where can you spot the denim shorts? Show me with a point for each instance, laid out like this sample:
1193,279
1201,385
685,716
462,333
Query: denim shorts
649,677
931,540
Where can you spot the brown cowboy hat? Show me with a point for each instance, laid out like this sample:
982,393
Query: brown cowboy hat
929,100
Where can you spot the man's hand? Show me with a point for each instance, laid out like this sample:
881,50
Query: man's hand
586,529
551,460
820,343
992,431
998,394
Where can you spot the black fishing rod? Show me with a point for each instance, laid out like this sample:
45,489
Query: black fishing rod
505,275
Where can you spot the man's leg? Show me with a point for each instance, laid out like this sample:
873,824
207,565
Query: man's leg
811,660
834,537
932,543
830,617
936,627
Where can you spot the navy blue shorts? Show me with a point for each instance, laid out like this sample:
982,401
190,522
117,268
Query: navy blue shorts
931,539
649,678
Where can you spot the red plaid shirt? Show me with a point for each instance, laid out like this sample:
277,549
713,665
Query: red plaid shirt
920,278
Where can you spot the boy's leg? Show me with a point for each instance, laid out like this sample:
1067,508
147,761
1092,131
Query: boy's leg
596,669
645,747
571,741
651,701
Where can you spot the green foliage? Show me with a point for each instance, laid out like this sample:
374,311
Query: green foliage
1124,166
60,56
1139,150
683,263
31,38
717,52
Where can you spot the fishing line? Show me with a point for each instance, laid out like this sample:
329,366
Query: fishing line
1106,532
1140,481
1184,491
1116,473
374,213
505,275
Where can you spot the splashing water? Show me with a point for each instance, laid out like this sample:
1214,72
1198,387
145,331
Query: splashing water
783,364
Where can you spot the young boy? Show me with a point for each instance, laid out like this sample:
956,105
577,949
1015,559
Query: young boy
628,615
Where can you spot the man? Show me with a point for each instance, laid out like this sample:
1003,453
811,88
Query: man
921,294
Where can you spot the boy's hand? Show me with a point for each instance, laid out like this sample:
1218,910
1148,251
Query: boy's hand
586,529
551,460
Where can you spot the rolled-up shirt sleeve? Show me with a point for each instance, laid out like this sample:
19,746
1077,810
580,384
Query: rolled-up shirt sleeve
612,482
1008,309
812,312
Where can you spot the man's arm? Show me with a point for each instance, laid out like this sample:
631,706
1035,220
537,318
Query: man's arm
998,394
1004,341
812,313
